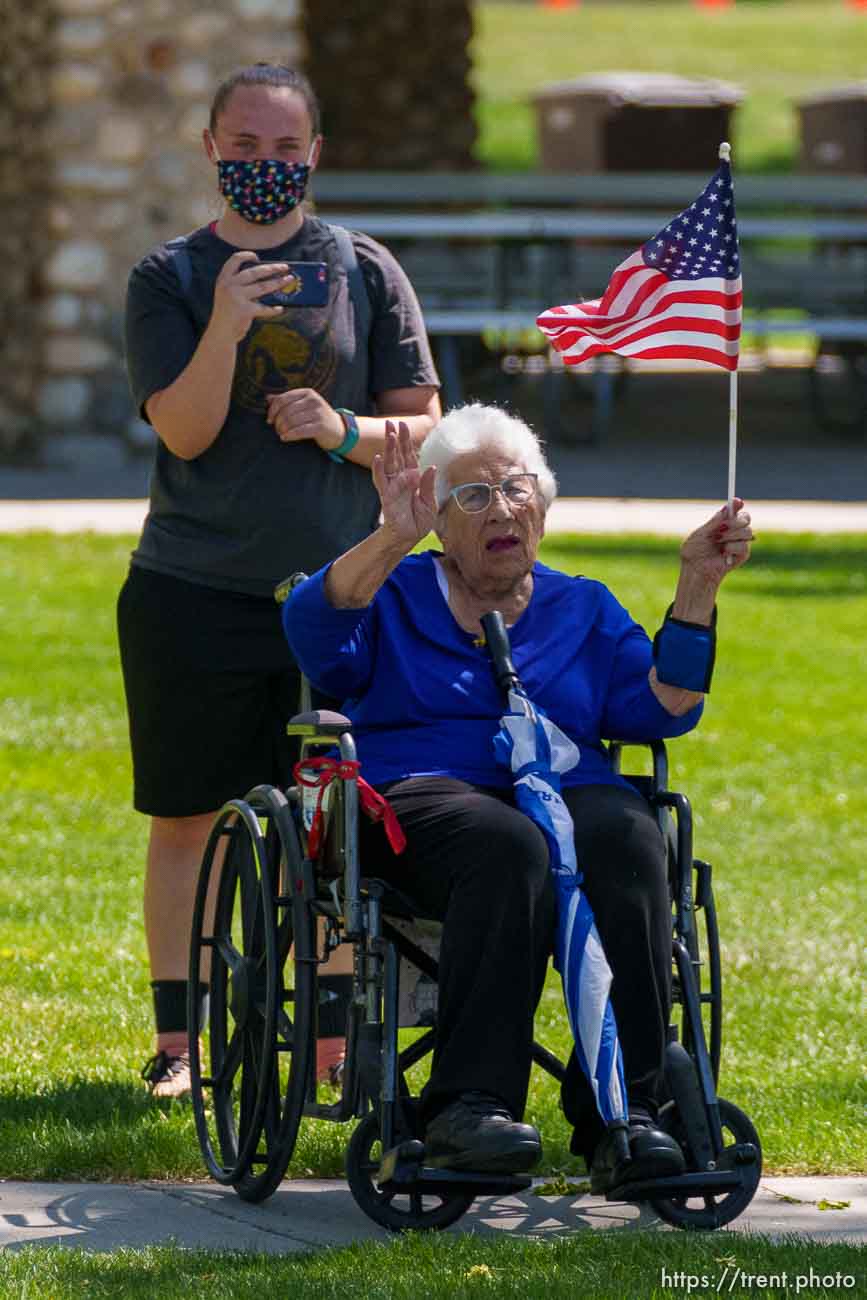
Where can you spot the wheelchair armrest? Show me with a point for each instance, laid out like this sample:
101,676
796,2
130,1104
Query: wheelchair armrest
657,750
318,722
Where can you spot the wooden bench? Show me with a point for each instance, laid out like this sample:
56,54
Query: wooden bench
668,191
489,258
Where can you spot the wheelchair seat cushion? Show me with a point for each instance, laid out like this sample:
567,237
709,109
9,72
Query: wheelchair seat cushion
396,902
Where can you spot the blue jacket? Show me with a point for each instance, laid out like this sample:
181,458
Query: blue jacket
421,692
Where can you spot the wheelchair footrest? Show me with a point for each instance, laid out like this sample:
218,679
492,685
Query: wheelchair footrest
650,1189
401,1164
402,1168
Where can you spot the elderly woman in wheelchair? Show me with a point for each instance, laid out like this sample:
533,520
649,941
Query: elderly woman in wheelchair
398,637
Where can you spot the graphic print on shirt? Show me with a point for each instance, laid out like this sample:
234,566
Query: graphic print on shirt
276,356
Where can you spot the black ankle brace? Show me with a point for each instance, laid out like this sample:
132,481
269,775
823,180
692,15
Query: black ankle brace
170,1005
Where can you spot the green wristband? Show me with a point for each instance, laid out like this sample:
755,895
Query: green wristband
350,438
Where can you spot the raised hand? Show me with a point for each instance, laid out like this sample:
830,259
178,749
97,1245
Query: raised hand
720,545
407,495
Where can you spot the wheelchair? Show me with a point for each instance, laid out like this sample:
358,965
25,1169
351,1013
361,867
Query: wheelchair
281,886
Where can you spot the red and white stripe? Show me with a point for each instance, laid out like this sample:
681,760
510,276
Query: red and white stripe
645,314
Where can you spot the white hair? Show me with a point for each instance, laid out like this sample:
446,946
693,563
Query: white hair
473,427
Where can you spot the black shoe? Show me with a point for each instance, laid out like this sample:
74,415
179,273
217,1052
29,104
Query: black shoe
477,1132
653,1154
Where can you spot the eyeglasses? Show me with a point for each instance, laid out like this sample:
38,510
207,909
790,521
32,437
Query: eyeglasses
473,498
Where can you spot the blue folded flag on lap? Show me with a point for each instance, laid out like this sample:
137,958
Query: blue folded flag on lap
537,752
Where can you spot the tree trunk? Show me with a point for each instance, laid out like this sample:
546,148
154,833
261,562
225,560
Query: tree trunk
25,197
393,80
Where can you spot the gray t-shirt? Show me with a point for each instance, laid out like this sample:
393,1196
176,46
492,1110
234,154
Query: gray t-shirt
251,509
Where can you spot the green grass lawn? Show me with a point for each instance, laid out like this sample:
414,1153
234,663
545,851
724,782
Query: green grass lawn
776,773
777,52
592,1266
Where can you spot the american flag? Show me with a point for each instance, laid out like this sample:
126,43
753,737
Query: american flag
679,295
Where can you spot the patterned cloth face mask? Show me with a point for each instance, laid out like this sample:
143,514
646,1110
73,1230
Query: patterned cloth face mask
262,190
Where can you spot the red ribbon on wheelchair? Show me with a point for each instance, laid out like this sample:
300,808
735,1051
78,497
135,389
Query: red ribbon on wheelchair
373,804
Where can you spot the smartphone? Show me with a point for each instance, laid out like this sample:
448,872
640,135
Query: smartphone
308,287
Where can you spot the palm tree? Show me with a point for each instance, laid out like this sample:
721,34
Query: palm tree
393,77
25,185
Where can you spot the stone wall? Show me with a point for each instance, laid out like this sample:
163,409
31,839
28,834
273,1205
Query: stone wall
131,85
25,184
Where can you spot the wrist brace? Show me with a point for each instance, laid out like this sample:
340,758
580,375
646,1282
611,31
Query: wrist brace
684,653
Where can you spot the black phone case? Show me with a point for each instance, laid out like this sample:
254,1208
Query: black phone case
308,289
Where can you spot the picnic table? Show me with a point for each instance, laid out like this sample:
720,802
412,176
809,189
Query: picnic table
486,258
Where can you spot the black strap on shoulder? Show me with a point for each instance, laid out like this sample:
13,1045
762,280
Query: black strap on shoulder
180,260
355,280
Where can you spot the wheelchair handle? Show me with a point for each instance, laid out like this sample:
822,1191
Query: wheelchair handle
281,594
497,639
283,589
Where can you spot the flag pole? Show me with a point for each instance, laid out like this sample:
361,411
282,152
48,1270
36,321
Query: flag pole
725,154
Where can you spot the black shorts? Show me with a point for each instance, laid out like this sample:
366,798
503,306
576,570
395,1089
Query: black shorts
210,684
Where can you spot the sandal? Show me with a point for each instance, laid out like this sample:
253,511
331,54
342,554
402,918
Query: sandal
168,1076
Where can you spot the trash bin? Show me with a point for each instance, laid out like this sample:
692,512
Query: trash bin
633,121
834,129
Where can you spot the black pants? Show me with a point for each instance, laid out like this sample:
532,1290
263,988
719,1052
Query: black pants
210,685
622,854
481,866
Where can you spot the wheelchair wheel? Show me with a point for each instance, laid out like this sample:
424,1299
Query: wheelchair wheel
293,1027
261,1027
397,1211
704,952
229,1100
715,1209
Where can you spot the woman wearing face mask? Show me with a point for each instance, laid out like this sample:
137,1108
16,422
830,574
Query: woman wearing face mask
268,418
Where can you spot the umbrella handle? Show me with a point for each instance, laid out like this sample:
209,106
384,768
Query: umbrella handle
497,640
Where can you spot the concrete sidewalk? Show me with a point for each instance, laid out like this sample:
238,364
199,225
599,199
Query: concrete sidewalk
665,518
316,1213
